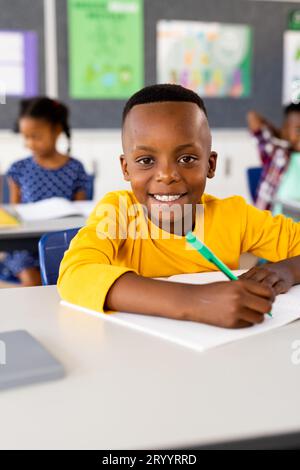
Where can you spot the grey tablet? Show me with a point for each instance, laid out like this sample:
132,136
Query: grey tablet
23,361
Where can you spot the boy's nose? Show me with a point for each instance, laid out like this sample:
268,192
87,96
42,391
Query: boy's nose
167,175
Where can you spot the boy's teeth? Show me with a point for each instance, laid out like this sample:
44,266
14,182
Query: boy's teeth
166,197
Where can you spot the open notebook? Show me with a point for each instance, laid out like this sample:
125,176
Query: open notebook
53,208
198,336
7,220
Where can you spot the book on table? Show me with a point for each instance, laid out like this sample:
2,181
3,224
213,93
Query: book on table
47,209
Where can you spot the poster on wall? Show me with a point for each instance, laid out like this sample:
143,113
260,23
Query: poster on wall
213,59
291,67
18,63
105,48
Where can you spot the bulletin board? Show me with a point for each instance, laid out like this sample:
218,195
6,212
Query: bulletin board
267,20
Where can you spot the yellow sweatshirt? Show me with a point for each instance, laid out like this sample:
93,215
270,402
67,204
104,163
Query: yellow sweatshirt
111,244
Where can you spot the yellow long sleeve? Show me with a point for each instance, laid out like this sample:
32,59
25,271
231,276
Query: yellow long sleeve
104,250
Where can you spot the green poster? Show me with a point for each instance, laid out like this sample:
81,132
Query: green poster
106,44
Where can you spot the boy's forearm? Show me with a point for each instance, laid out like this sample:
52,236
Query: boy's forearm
227,304
137,294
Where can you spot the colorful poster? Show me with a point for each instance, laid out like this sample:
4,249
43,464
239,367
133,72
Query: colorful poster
291,67
212,59
18,63
106,44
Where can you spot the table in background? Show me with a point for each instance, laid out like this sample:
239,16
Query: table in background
26,235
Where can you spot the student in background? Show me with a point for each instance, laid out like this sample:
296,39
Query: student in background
134,236
275,147
46,173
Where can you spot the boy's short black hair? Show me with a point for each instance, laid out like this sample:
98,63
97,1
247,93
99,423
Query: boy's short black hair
292,108
162,93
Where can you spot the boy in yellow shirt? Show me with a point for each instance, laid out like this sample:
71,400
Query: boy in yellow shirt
134,236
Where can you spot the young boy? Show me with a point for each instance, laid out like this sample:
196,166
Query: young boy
275,147
167,158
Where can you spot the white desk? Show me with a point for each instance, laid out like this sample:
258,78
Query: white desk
27,234
126,389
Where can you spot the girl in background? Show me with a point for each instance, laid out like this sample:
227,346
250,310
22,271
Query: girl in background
46,173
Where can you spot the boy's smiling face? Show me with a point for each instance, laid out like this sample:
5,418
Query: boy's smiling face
167,155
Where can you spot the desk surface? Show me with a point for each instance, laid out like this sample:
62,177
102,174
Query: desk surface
126,389
37,228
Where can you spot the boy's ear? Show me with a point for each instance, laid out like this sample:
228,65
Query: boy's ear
124,167
212,164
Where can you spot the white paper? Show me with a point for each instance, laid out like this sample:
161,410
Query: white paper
291,67
198,336
12,63
12,79
11,47
53,208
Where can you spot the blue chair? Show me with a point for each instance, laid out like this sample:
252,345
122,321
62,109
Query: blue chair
52,247
253,177
91,181
90,186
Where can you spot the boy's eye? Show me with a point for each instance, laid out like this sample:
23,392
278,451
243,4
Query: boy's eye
187,159
145,161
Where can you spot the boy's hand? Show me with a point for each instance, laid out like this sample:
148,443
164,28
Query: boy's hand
234,304
276,275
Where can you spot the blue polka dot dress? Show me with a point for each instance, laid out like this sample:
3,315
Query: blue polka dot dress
37,183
